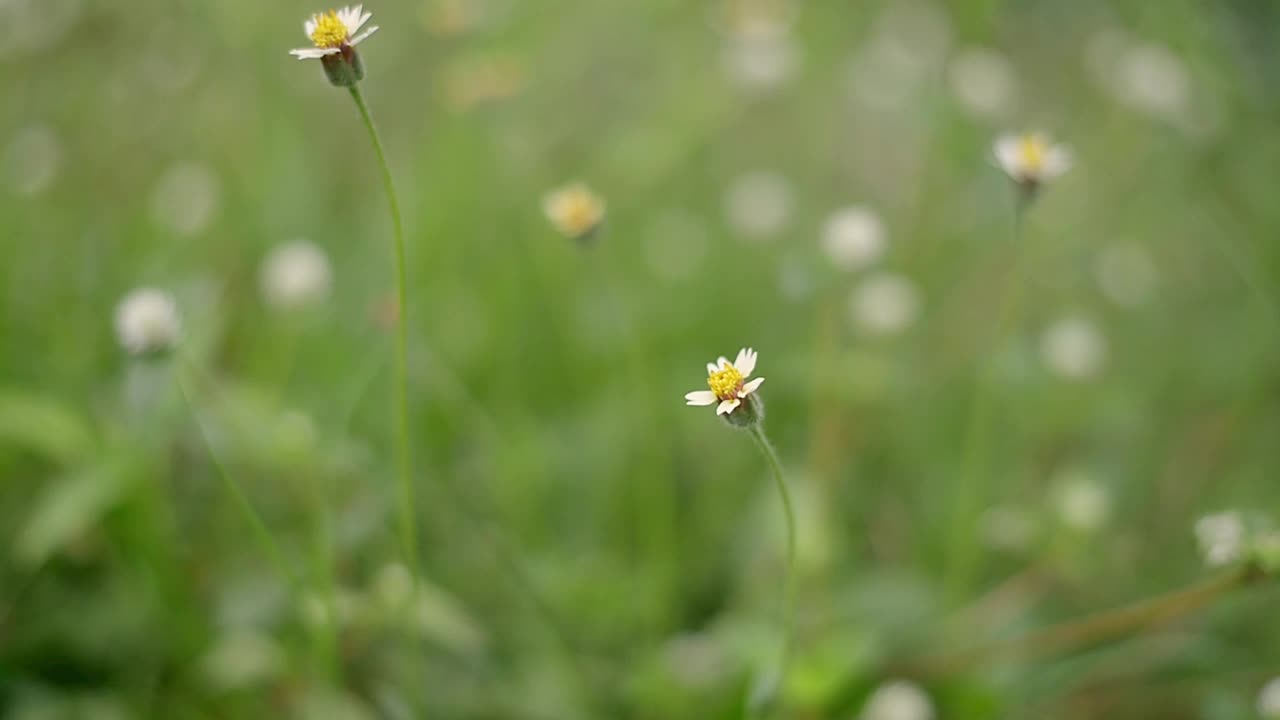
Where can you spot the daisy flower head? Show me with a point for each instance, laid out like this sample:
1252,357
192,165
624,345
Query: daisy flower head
147,321
1031,159
334,35
730,389
575,211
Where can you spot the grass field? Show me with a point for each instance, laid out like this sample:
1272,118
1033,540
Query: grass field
1033,440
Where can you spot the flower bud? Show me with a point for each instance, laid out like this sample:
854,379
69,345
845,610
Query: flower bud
344,69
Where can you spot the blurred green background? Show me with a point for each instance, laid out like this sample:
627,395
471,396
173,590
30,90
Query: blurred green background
985,434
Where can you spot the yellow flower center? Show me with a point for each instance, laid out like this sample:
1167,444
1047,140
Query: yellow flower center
330,32
1033,152
578,212
725,382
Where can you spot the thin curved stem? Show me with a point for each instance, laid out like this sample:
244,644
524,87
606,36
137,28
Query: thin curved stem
408,533
1098,627
788,606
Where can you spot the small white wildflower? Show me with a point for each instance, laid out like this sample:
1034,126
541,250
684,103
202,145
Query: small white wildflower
983,82
1073,348
758,204
1222,537
334,36
33,160
853,238
884,304
1083,503
147,321
1031,159
728,383
295,275
1269,700
334,32
898,700
185,199
574,210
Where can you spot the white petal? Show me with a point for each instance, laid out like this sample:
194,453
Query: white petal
1057,161
721,362
1008,151
312,53
360,20
700,397
746,361
360,38
711,368
727,406
310,25
750,387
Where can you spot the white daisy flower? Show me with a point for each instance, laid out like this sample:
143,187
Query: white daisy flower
296,275
1269,699
1032,158
334,32
147,321
575,210
728,383
1222,537
898,700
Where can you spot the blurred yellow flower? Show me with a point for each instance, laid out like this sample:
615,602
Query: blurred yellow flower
728,383
574,210
1031,158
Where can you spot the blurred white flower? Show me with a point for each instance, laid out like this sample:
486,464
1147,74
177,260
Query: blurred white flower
33,160
295,275
758,204
853,238
1222,537
884,303
1125,274
676,245
147,321
760,61
241,659
1073,348
905,50
1151,79
1010,528
1269,700
334,32
1031,159
1083,504
983,82
574,210
898,700
185,199
728,383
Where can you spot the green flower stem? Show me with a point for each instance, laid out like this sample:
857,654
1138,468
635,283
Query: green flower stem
788,606
408,533
1096,628
267,541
